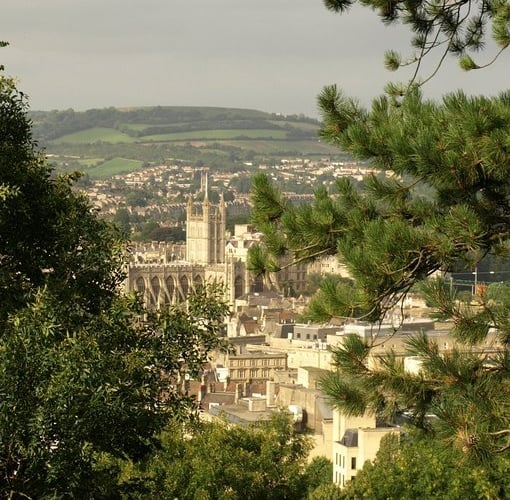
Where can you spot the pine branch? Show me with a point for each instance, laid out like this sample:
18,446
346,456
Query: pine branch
351,356
306,258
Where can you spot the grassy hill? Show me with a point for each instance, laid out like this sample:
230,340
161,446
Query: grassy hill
221,138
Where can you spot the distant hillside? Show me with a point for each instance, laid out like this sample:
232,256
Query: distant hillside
149,122
222,138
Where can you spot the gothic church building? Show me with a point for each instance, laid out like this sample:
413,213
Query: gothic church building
164,273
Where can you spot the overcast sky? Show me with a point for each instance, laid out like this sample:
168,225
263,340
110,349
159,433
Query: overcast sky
271,55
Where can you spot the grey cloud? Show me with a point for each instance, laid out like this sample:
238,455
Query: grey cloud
273,55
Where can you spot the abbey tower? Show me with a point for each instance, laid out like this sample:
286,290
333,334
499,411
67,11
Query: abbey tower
205,231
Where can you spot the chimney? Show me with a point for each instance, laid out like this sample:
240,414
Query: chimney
270,389
238,393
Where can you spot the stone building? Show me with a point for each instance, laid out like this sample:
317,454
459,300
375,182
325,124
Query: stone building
259,366
355,440
164,273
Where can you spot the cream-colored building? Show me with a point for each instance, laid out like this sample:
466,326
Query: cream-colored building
355,440
329,264
317,413
256,366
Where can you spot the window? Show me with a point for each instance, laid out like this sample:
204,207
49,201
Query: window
353,462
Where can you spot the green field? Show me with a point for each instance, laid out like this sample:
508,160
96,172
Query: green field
216,135
90,162
112,136
113,167
136,126
220,137
92,135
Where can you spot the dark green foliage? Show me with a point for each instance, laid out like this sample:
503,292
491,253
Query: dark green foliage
441,203
420,468
75,390
329,491
88,378
48,235
318,472
152,231
220,461
122,220
388,234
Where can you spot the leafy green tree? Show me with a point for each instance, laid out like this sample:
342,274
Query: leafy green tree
419,468
318,472
314,281
217,460
84,382
327,492
49,237
392,239
394,236
123,220
76,391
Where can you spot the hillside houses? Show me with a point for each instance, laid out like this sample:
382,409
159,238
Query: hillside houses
170,184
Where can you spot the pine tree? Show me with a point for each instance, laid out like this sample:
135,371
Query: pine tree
442,202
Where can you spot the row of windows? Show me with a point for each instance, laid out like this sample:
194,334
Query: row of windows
234,363
155,283
340,461
255,373
394,346
308,336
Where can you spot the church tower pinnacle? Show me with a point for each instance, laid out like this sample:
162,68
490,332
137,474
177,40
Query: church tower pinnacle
205,231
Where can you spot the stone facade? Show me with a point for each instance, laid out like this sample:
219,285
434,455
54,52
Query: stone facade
355,440
256,366
205,232
164,273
